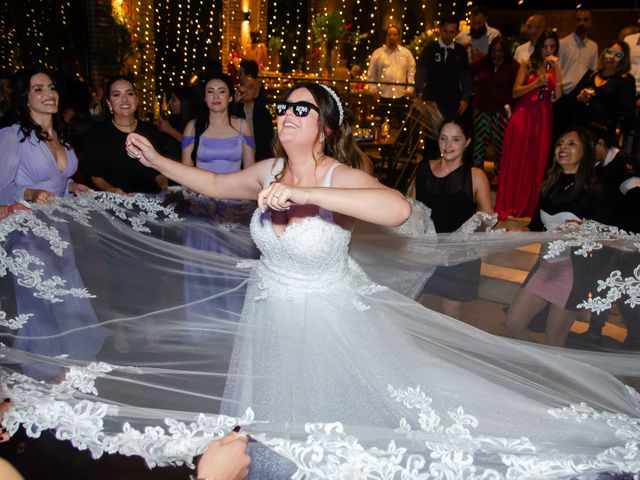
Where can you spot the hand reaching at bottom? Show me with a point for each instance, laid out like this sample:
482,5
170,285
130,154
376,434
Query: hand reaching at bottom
225,459
139,147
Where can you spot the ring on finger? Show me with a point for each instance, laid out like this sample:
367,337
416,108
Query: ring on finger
276,196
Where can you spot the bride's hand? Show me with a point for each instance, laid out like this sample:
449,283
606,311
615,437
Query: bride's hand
279,197
142,149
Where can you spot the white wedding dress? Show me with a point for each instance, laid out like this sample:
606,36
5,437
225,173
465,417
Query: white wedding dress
320,342
335,375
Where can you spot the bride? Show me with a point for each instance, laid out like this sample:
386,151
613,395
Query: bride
348,379
333,374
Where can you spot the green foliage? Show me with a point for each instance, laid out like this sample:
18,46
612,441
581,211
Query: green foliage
275,44
419,42
329,28
118,47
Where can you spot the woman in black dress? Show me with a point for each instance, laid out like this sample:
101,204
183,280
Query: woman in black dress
606,95
454,192
110,168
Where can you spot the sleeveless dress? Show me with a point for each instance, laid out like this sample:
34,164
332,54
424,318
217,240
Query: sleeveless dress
450,199
319,342
525,150
218,155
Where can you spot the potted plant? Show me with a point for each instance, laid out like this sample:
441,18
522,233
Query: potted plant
274,46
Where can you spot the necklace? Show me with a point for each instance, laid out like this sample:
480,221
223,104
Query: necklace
113,120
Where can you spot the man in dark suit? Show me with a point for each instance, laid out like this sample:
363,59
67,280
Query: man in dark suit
443,76
442,72
619,174
256,112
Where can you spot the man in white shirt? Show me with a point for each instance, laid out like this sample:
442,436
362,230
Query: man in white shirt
392,63
634,49
479,35
633,41
578,53
534,26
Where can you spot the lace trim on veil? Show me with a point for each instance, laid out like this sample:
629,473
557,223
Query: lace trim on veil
74,410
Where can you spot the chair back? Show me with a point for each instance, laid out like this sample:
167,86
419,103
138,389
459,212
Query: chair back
404,156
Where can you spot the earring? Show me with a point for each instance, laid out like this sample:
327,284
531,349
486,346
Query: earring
321,138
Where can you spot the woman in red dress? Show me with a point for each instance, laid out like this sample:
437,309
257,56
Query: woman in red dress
528,135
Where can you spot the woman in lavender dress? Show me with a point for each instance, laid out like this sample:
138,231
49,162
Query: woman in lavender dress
36,165
219,142
216,140
37,158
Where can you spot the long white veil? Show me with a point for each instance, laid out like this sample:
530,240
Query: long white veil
119,315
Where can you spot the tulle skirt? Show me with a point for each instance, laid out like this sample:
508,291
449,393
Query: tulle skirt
344,379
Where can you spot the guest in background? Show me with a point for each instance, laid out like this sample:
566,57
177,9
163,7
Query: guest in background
392,63
494,77
233,67
443,76
5,97
216,140
528,135
75,106
442,72
257,115
477,38
606,95
578,55
257,51
110,168
619,174
534,26
184,105
569,193
633,40
454,192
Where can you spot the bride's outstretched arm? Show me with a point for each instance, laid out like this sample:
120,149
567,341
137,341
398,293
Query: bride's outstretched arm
242,185
353,193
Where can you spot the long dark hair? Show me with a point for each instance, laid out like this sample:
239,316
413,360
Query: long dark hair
107,92
461,122
584,175
202,119
506,51
339,142
189,106
21,86
537,58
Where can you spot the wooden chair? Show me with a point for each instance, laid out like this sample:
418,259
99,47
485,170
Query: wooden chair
396,163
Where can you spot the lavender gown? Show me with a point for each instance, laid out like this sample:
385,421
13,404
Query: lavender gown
218,155
30,164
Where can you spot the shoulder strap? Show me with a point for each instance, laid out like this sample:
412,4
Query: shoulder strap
328,214
329,175
276,168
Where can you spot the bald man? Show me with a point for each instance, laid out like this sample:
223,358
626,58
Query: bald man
534,26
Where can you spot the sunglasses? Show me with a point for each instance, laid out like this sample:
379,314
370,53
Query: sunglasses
300,109
614,53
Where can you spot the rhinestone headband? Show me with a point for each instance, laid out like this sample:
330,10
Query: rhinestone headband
335,97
